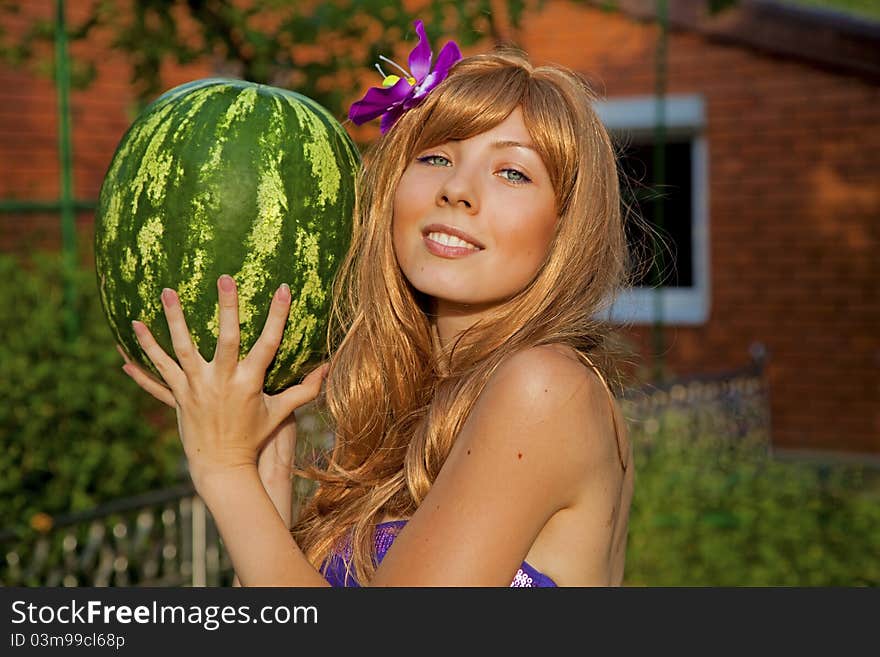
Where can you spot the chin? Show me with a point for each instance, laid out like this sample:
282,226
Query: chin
449,297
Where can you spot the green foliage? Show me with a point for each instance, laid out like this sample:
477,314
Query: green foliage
712,512
864,9
257,39
76,431
717,6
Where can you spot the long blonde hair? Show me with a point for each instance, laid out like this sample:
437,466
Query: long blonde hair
395,399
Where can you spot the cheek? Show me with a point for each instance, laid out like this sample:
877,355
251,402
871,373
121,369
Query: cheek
401,212
405,210
545,227
533,233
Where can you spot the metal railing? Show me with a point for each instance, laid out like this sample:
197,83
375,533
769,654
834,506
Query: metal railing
161,538
733,404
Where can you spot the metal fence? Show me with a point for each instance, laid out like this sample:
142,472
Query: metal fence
162,538
168,537
733,404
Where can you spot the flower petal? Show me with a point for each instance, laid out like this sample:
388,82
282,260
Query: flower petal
447,57
421,90
390,117
421,55
378,100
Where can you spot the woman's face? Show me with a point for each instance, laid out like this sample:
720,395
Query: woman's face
495,189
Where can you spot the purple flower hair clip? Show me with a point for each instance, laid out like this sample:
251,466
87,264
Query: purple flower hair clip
398,94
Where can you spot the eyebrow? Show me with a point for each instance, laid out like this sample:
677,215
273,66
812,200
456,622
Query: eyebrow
507,143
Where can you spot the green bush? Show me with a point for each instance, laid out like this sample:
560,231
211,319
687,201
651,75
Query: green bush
713,512
76,431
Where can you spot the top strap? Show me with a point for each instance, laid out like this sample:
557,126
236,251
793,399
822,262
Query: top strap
612,405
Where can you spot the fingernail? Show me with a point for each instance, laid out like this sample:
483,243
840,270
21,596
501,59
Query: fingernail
136,326
226,283
168,296
284,292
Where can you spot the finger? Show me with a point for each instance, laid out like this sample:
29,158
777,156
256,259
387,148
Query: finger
266,346
285,403
170,371
187,355
228,341
160,392
123,354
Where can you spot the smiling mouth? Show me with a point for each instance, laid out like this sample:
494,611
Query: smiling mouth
451,240
450,235
448,250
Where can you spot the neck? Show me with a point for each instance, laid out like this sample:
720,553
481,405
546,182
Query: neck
449,320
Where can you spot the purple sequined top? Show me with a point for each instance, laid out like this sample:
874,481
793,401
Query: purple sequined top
386,532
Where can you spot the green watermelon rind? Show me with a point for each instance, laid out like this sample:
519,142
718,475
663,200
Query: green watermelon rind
265,178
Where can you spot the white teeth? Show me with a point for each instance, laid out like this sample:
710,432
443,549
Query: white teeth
451,240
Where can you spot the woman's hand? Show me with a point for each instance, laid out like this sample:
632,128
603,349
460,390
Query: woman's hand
276,458
278,453
224,418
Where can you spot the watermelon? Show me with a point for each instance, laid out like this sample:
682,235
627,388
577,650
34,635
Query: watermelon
222,176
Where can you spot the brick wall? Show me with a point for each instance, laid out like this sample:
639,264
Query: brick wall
793,217
100,115
794,210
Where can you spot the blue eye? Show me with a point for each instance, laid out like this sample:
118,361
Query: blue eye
427,159
520,178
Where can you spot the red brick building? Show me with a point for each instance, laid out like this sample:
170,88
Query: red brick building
772,172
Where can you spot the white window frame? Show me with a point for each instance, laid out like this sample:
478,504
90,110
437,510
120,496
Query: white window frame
685,117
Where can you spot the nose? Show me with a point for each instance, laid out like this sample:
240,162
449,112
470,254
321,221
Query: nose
458,190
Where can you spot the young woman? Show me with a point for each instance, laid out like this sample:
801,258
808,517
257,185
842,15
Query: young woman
477,442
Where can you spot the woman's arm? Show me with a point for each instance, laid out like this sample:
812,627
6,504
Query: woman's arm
262,550
282,498
274,465
275,460
225,419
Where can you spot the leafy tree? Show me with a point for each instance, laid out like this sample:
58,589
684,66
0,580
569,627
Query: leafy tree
312,47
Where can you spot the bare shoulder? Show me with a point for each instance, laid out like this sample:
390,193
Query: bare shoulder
549,389
586,447
546,372
552,379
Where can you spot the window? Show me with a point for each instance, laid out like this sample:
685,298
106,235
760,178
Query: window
683,295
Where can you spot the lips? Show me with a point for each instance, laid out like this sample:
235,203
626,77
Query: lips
444,251
452,230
